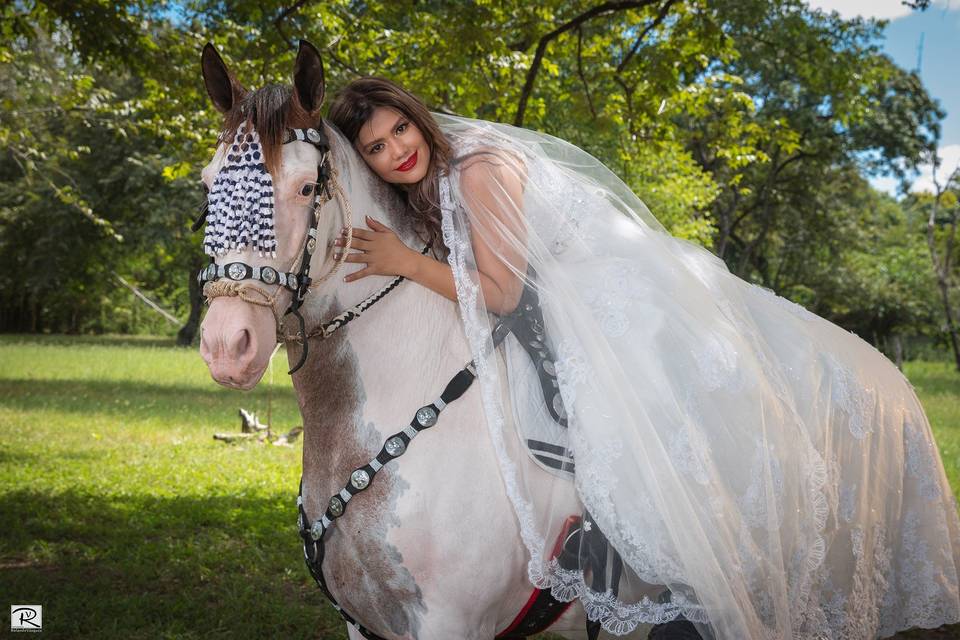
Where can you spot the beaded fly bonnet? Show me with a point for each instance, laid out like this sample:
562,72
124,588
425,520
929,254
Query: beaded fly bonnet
240,204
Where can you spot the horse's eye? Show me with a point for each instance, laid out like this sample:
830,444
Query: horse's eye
306,189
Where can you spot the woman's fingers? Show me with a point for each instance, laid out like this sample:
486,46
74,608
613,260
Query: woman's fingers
364,234
358,274
377,225
355,243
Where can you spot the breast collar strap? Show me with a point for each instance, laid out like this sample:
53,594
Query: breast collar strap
543,608
362,477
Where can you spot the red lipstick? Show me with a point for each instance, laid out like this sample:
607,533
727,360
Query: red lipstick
409,164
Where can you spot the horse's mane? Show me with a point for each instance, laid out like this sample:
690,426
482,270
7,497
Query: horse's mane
271,110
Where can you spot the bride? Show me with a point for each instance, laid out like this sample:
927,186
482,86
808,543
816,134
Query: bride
742,463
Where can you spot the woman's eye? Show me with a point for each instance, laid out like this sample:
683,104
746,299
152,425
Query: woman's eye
375,148
306,189
402,127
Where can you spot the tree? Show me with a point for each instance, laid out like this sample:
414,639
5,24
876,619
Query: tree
737,139
941,235
825,100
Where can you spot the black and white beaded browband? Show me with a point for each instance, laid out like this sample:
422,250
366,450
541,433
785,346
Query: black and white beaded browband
251,224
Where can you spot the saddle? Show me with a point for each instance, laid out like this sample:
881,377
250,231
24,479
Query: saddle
543,431
581,544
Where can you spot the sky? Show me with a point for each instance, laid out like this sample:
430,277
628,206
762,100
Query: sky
932,39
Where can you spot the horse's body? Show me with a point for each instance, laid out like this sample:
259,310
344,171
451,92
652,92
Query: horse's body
432,549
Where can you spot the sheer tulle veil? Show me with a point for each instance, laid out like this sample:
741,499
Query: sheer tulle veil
755,468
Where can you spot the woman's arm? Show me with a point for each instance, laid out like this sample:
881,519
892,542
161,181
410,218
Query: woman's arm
491,185
438,276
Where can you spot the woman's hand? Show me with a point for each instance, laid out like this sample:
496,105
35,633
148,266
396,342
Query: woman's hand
381,250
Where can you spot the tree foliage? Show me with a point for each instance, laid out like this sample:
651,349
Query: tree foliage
746,125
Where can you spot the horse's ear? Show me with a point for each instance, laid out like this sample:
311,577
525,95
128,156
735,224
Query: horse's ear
223,88
308,82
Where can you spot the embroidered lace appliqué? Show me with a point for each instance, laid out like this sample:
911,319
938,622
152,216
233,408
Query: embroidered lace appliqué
853,398
619,285
920,461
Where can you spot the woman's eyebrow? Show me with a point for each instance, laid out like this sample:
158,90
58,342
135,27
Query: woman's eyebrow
395,125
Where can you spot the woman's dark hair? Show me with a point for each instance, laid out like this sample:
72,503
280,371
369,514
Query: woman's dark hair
354,105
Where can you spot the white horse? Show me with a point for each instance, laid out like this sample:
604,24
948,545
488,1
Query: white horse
433,548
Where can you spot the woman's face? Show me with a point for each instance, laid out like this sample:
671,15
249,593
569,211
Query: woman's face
392,145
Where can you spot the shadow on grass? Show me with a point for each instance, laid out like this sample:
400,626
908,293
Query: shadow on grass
146,567
130,399
109,340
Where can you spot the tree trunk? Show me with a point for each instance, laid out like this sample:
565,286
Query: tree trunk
188,331
951,323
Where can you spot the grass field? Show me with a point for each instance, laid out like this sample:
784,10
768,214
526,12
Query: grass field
123,517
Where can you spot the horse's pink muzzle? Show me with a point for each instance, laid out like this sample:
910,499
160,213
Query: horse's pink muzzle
236,341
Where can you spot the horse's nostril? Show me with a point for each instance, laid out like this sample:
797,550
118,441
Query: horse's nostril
241,344
205,350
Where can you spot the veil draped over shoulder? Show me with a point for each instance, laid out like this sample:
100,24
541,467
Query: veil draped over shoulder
754,468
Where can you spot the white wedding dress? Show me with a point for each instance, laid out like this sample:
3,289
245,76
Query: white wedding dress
758,469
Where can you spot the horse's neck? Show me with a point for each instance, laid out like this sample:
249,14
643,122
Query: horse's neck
366,381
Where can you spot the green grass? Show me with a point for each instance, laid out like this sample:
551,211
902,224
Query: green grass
123,517
938,386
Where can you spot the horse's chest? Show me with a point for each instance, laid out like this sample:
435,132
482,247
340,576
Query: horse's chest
365,572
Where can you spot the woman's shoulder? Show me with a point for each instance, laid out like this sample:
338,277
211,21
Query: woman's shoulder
478,158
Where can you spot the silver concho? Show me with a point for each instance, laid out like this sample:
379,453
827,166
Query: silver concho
313,135
292,281
549,368
336,506
316,531
268,275
558,407
395,446
311,245
236,271
211,271
359,479
537,327
426,416
536,344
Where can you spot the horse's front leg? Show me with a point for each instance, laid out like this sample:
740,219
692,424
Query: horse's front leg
438,630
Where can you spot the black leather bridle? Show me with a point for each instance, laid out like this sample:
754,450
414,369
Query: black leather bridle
297,282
